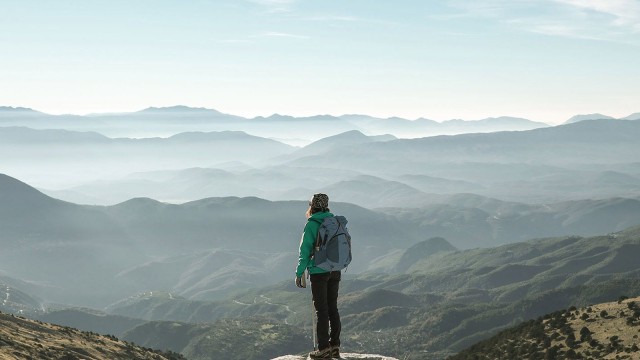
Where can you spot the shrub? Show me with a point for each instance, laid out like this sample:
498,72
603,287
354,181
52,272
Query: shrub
614,338
585,334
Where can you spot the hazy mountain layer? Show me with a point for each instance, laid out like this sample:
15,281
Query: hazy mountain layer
92,255
472,221
516,183
302,130
586,160
82,157
586,142
16,301
206,248
578,118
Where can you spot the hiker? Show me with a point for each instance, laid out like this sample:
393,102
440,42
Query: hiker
324,284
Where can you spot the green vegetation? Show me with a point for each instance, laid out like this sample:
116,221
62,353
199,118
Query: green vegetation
246,338
556,336
447,303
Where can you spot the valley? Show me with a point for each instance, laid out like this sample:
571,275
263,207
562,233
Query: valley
187,243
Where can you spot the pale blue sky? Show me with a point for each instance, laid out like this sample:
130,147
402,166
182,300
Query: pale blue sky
544,60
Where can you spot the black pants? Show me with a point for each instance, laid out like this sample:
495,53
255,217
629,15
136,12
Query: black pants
324,288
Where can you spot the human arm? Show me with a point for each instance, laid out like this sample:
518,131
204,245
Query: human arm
306,247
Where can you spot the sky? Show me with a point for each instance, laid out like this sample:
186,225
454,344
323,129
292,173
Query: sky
544,60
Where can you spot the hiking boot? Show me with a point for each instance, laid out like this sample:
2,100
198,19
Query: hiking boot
335,352
324,354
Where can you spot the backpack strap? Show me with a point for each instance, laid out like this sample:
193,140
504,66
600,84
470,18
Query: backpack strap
316,244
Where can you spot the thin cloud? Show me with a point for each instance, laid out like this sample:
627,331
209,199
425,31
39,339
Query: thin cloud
560,29
625,12
334,18
234,41
274,2
602,20
609,20
281,35
276,6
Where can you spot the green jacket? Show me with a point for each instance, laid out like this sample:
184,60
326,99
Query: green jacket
306,244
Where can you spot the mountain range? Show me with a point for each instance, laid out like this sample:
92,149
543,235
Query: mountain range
445,301
207,248
584,117
26,151
460,229
589,159
48,240
167,121
153,261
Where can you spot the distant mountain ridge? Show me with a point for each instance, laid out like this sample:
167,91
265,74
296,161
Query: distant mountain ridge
578,118
634,116
16,109
592,140
100,157
152,121
177,109
199,111
21,135
597,116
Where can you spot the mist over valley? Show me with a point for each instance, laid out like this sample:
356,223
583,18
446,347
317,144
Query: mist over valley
176,227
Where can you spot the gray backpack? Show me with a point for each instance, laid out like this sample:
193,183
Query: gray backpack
332,249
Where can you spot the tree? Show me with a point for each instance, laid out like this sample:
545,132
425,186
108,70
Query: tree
585,334
571,340
552,353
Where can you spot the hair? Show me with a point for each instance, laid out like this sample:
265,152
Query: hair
317,209
319,203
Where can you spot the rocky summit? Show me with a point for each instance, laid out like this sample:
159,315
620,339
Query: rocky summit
343,356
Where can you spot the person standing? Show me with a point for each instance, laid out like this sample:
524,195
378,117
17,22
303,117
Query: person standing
324,284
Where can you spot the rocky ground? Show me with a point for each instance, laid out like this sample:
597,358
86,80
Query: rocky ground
344,356
21,338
